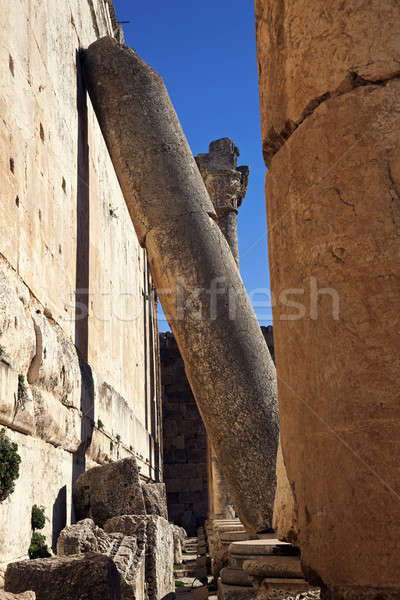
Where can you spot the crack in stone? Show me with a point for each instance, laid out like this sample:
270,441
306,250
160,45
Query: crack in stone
277,139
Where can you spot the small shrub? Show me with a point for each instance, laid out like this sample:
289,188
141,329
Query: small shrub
38,518
1,351
111,446
38,547
9,465
118,437
179,583
100,424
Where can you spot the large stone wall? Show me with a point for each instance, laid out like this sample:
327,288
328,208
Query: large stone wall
184,447
79,372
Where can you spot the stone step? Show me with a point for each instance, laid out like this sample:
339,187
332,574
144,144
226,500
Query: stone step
235,592
263,547
288,585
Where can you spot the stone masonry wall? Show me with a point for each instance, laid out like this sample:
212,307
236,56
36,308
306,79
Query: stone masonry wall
184,442
78,325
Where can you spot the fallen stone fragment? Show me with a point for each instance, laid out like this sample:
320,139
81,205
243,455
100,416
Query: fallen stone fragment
24,596
226,359
108,491
155,499
89,576
159,568
179,535
127,553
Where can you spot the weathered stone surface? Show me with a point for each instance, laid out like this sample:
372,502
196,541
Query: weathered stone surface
273,566
16,402
24,596
308,52
334,218
108,491
357,593
155,499
235,577
285,517
127,553
159,550
84,577
179,535
235,592
174,220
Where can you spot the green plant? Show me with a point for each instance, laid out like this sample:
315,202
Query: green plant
9,465
1,351
100,424
38,519
179,583
38,547
131,448
111,446
118,437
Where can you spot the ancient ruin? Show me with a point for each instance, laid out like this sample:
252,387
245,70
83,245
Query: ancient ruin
221,459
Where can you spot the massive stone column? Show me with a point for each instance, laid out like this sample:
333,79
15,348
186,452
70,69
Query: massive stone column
226,184
227,361
330,105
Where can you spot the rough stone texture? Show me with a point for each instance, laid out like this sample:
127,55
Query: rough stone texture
308,52
184,442
159,567
340,223
24,596
127,553
179,535
67,248
273,566
285,513
235,592
84,577
174,220
155,499
355,593
109,491
235,577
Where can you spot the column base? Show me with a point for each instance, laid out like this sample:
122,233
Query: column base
359,593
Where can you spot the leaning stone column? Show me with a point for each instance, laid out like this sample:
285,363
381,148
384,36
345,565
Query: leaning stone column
227,362
330,105
226,184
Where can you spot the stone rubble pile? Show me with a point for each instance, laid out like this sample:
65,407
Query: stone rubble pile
116,552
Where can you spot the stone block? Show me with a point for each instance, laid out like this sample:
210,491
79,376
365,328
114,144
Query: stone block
16,402
109,491
285,517
159,550
235,592
80,577
231,576
155,499
273,566
24,596
200,593
56,423
179,535
127,553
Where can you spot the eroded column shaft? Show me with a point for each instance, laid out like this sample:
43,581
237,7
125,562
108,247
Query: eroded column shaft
330,105
226,359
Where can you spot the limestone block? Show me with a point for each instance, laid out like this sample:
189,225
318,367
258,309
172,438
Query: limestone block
231,576
273,566
179,535
17,336
55,367
24,596
159,550
334,221
92,576
55,423
285,518
109,490
127,553
115,413
308,52
16,401
155,499
235,592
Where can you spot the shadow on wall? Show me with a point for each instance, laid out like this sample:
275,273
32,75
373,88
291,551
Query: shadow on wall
82,275
59,516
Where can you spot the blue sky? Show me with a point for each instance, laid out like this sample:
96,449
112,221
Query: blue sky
206,53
